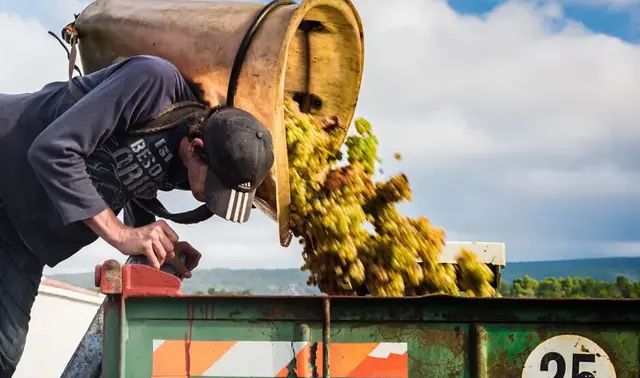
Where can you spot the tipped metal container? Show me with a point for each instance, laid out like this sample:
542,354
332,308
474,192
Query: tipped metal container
312,51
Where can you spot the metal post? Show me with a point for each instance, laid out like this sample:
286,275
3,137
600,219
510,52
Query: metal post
478,351
326,339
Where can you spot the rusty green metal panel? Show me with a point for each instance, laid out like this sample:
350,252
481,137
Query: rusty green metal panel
444,336
508,346
112,336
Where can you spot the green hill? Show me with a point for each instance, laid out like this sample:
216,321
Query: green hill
606,269
293,281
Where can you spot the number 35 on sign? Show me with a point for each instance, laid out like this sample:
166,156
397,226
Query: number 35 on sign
568,356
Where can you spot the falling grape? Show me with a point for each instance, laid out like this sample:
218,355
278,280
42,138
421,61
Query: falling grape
355,239
474,277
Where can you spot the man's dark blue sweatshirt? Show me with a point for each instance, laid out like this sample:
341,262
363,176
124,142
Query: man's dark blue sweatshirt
63,161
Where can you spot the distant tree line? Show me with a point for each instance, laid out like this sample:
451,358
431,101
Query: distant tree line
570,287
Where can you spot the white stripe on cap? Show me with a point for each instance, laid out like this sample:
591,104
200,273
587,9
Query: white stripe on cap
230,206
244,206
236,215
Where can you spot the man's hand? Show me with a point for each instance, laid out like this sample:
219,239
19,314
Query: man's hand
155,241
192,257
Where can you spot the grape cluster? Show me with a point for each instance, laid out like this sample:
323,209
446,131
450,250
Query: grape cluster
355,240
475,278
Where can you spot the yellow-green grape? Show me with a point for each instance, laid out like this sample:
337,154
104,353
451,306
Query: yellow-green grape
332,204
475,276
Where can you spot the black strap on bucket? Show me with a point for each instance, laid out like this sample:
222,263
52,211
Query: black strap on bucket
246,43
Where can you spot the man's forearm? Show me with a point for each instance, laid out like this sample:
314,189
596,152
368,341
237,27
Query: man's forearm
107,225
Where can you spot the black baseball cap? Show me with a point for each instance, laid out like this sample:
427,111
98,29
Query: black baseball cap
239,152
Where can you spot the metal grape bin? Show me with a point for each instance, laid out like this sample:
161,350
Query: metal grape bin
152,330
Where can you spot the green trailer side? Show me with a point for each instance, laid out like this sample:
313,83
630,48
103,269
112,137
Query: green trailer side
151,334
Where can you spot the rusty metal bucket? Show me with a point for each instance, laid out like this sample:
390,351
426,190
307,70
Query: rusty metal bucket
312,51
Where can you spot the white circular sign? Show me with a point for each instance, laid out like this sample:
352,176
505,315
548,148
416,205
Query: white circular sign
568,356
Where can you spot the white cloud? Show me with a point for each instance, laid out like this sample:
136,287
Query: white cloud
453,137
31,58
623,249
587,182
518,75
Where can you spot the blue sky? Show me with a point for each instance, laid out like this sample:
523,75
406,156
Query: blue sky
622,21
605,17
517,121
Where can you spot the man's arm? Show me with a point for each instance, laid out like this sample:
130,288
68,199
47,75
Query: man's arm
136,91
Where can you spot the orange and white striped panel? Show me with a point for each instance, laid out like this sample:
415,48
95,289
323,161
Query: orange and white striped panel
181,358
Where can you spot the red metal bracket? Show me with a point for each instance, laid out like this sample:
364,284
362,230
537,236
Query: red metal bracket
108,277
135,280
